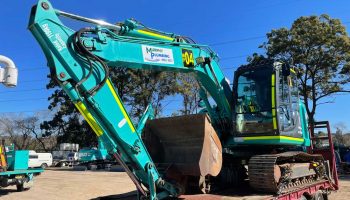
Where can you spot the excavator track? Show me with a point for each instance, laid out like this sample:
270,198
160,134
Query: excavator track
285,172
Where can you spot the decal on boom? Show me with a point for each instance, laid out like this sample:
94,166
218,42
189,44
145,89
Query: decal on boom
187,58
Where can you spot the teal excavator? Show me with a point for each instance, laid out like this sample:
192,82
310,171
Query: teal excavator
259,122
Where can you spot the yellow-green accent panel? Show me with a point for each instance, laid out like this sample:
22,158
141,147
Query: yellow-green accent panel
89,118
273,103
273,138
121,106
155,35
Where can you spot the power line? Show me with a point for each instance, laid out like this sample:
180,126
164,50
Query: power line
32,69
29,90
21,100
25,111
236,41
30,81
233,57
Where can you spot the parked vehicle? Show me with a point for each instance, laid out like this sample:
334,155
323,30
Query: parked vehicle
42,160
94,158
73,157
66,154
14,170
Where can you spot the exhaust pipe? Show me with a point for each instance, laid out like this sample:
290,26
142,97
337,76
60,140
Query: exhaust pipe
9,72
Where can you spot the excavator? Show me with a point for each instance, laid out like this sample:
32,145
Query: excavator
257,129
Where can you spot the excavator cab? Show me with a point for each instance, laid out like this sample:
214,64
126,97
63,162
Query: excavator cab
267,106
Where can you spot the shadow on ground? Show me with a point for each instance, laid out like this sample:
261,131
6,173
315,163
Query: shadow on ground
5,191
125,196
113,169
232,193
345,177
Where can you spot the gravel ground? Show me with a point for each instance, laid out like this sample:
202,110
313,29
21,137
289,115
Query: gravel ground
66,184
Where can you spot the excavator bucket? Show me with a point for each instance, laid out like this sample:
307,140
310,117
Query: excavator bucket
184,145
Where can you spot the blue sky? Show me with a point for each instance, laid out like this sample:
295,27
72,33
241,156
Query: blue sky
243,23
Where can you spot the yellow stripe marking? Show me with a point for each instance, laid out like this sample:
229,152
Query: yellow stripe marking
89,118
273,103
292,70
155,35
120,106
273,90
273,138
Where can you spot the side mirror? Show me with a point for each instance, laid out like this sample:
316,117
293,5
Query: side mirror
285,69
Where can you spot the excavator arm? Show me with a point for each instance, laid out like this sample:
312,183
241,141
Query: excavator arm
80,61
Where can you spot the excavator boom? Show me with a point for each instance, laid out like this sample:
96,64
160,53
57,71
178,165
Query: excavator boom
80,60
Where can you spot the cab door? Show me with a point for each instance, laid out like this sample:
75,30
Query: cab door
288,104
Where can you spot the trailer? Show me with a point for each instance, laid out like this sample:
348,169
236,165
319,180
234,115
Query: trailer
316,191
321,144
23,179
14,168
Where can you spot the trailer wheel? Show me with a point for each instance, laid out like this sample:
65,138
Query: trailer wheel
92,167
325,196
107,166
20,187
318,196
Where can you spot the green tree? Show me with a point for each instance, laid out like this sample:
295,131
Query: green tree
66,123
150,87
189,90
319,47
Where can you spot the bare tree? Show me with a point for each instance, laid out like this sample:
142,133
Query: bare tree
21,138
25,132
340,138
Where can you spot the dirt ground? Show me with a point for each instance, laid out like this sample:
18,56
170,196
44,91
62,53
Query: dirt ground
67,184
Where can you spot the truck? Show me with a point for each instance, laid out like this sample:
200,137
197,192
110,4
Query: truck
66,154
257,129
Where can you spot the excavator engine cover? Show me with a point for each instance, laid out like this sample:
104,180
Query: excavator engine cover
186,144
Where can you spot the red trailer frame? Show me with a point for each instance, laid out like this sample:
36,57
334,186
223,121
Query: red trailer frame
326,152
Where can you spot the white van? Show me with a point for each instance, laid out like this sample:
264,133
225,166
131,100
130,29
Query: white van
42,160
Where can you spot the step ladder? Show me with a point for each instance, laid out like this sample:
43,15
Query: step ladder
321,143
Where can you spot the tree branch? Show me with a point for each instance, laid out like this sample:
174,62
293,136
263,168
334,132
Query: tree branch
332,92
